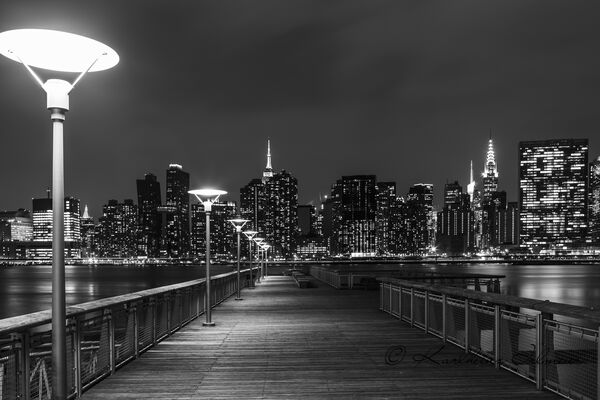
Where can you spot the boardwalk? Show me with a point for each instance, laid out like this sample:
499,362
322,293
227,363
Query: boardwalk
286,342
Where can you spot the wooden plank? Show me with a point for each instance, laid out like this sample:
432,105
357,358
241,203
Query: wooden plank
281,342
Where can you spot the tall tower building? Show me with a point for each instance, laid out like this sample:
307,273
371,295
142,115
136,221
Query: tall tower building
42,227
118,229
149,219
282,213
553,179
385,198
455,222
178,221
490,174
222,233
271,205
253,204
355,209
471,186
268,172
42,220
87,233
594,211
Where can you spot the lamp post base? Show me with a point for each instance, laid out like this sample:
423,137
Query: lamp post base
238,298
208,324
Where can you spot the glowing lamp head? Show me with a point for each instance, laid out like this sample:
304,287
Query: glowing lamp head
207,196
258,240
250,234
56,50
238,223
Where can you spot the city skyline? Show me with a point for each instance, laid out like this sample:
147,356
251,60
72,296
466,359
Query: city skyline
341,89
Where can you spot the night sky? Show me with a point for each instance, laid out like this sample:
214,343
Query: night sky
405,90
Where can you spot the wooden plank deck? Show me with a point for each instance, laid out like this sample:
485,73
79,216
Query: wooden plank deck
286,342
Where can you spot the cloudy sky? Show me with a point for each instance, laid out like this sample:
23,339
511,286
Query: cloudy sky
405,90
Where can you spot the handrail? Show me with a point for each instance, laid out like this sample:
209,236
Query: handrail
518,334
545,306
102,335
45,317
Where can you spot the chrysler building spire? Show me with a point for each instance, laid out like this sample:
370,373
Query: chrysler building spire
490,174
268,173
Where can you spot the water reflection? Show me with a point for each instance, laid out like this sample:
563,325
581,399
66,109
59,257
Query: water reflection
26,289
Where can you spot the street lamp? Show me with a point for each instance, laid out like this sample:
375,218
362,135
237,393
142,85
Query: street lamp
63,52
266,247
250,235
207,197
258,241
238,224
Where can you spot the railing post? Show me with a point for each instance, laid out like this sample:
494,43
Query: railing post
467,324
444,318
497,335
539,348
111,340
180,296
77,347
426,317
168,305
136,331
391,310
152,304
412,306
400,301
198,300
381,296
24,363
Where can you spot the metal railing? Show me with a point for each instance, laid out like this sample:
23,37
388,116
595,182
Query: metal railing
102,335
517,334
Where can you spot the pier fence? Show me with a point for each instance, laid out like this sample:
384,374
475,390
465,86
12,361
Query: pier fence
102,335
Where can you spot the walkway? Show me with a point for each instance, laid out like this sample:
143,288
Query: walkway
286,342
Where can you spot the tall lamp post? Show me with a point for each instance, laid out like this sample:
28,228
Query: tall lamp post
63,52
258,241
207,197
238,224
266,247
250,235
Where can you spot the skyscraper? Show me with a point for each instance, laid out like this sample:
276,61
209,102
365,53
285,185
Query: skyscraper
118,229
178,222
42,220
354,210
490,174
148,193
385,198
594,211
420,218
282,213
553,178
87,233
268,172
271,206
455,222
222,233
471,186
42,228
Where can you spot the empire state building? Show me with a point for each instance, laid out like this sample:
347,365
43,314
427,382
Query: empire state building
268,172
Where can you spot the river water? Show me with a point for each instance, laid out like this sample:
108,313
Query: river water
26,289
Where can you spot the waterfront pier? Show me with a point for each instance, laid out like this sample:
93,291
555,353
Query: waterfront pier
402,339
286,342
